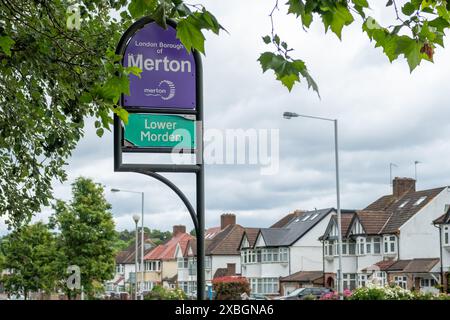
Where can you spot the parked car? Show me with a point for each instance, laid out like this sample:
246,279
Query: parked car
256,296
305,293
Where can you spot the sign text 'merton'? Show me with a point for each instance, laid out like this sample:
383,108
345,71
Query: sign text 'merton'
164,64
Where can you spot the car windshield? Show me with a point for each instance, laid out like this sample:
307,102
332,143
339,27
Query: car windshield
296,292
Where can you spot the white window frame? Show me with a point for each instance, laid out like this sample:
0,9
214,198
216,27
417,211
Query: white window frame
349,279
446,235
389,242
361,246
401,281
362,280
420,200
377,241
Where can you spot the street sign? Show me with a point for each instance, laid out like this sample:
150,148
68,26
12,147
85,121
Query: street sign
146,130
168,78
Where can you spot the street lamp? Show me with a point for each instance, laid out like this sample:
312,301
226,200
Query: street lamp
289,115
136,220
142,235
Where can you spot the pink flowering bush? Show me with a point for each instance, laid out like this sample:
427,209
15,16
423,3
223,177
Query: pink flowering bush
335,296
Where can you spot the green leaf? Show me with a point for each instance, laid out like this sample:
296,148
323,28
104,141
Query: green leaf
408,9
337,19
100,132
361,3
410,48
288,80
122,113
267,39
296,7
5,44
134,70
307,18
265,60
389,3
190,35
160,16
139,8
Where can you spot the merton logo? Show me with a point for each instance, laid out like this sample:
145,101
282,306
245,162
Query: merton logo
165,90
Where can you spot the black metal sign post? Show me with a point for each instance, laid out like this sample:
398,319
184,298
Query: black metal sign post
154,170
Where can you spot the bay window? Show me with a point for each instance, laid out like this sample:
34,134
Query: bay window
183,263
362,280
264,285
361,246
376,245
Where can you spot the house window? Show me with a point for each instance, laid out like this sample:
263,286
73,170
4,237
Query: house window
368,245
152,265
344,248
361,246
420,200
183,285
362,280
376,245
401,281
284,254
351,247
390,243
148,285
258,255
264,285
403,204
208,262
379,277
120,268
183,263
349,280
424,282
446,236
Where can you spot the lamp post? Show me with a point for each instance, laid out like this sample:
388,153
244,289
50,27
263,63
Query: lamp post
136,220
289,115
142,236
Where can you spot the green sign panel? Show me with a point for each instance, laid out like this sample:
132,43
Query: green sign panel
146,130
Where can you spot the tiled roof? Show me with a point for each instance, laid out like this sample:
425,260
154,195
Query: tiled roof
127,256
303,276
381,204
346,219
212,232
405,208
381,265
423,265
373,221
166,251
286,219
227,241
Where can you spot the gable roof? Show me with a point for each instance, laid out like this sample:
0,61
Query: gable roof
127,256
373,222
286,219
166,251
294,230
227,241
346,220
405,208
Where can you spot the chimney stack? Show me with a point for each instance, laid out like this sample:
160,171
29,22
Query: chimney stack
179,229
227,219
231,269
402,186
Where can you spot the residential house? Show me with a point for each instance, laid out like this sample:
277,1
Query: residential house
161,262
391,240
222,256
443,223
125,266
288,248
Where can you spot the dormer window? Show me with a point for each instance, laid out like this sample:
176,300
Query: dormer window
420,200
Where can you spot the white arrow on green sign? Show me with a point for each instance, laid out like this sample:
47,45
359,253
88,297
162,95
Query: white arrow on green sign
160,131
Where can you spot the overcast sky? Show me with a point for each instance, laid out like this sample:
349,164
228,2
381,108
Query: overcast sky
385,115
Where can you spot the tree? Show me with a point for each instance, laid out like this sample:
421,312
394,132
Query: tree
30,253
87,235
55,72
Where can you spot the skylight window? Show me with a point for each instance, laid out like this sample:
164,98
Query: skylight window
306,217
297,220
421,199
403,204
314,216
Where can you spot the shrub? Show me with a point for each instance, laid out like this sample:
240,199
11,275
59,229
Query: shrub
230,288
161,293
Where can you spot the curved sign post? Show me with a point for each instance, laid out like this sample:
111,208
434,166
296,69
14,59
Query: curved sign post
165,109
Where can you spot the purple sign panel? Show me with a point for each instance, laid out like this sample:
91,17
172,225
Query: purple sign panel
168,70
